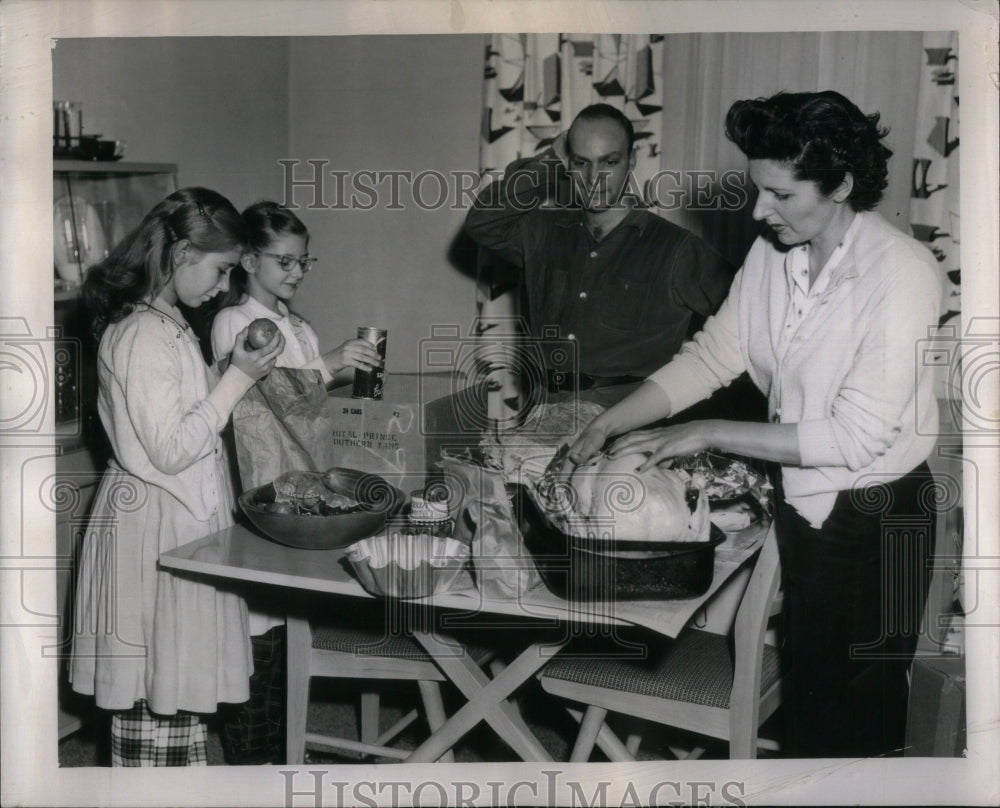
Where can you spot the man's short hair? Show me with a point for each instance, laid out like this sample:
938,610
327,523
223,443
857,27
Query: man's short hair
596,112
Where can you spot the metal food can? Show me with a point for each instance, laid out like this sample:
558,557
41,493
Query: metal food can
369,383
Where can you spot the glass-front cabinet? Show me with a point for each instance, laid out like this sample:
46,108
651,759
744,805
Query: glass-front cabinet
94,205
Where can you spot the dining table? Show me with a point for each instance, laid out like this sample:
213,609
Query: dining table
240,554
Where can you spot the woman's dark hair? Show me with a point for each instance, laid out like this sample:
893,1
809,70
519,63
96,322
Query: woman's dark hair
822,135
596,112
265,221
142,263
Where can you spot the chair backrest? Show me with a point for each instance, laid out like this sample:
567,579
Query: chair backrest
757,607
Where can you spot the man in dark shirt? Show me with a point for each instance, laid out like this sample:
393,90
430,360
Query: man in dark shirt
624,283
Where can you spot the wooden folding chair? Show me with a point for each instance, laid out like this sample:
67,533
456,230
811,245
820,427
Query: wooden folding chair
369,654
698,684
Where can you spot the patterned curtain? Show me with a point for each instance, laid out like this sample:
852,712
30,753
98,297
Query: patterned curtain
934,220
535,84
934,205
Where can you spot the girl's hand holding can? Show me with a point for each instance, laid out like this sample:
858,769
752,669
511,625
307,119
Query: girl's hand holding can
256,363
356,353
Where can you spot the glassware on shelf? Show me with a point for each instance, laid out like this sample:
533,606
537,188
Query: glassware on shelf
79,239
67,126
107,212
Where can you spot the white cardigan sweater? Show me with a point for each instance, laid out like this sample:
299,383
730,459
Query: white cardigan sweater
851,377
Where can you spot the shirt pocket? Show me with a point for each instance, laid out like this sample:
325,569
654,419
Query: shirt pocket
622,303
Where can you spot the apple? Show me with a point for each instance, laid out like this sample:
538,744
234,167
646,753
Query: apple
260,333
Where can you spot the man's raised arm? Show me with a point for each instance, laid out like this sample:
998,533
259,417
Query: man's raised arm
497,219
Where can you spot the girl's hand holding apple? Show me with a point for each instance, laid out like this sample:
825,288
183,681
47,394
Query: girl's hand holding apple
256,362
260,332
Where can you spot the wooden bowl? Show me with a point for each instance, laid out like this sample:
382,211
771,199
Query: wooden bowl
378,500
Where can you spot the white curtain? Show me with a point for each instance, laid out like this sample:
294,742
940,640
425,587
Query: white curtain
705,73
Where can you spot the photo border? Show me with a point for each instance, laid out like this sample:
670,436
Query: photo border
31,775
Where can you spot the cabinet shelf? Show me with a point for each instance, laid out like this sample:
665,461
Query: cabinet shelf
66,295
99,167
95,204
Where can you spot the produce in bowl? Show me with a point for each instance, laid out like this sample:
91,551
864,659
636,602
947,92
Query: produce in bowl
321,511
308,494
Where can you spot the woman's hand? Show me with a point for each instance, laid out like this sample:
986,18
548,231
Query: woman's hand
590,442
356,353
665,442
256,363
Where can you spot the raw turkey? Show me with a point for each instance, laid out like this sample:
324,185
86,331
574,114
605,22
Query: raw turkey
608,499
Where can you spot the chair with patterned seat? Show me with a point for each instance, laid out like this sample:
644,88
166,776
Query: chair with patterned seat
705,683
371,654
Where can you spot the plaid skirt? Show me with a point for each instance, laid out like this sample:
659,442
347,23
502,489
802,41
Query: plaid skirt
139,738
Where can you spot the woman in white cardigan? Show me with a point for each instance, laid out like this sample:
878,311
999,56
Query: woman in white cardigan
826,315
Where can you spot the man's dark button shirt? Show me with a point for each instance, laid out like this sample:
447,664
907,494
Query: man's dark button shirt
627,299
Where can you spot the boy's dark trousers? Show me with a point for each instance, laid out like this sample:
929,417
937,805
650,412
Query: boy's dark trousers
253,732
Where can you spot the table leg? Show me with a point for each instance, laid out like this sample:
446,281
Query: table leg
298,645
487,698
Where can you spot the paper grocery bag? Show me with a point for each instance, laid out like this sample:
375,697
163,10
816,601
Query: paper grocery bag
484,519
283,424
501,565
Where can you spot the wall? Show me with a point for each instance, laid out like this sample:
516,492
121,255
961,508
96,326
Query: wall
228,109
218,107
383,104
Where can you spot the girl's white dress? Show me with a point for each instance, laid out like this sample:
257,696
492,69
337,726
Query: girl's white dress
143,633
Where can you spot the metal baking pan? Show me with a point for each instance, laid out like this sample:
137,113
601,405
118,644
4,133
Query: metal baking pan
588,570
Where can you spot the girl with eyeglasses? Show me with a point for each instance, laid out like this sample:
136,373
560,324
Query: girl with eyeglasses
265,283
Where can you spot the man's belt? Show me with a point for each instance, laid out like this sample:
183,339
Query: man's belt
559,381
